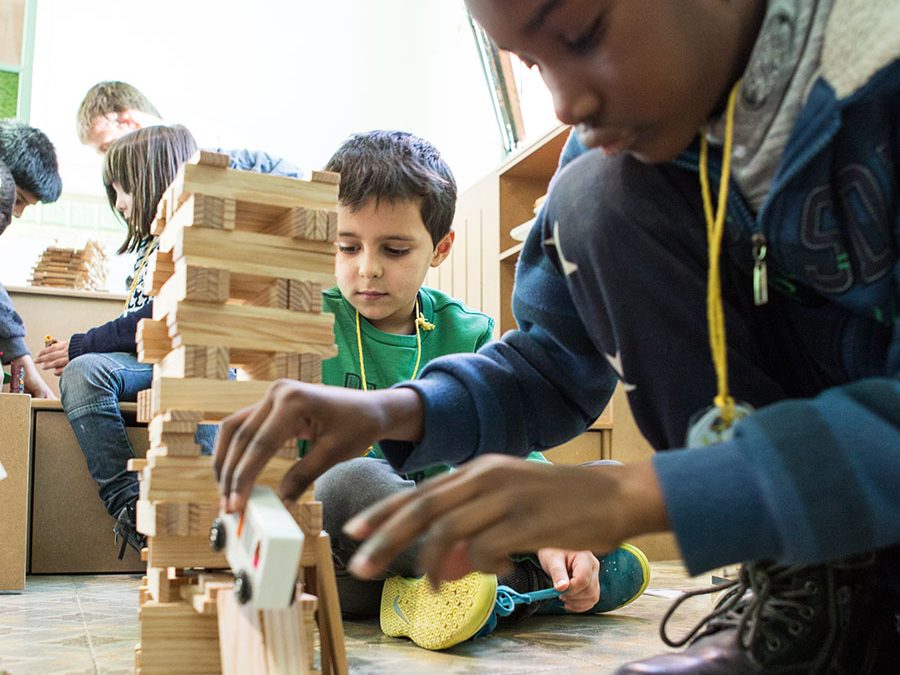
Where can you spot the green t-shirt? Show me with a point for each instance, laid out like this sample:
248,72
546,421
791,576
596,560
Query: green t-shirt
391,358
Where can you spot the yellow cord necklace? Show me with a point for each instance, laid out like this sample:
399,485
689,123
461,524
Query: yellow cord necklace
420,322
715,226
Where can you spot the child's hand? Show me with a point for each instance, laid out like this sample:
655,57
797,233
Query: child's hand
473,518
339,423
576,573
55,357
34,383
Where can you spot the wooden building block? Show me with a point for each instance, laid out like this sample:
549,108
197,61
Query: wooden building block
329,177
144,406
176,640
153,341
301,223
196,361
215,159
179,422
257,188
217,397
265,642
249,327
163,588
194,551
191,480
136,464
331,628
174,519
274,294
160,267
159,221
257,254
305,296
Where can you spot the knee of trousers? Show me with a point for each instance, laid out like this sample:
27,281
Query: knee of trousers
84,378
346,489
604,202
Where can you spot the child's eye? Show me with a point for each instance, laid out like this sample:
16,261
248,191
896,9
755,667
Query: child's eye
347,248
390,250
587,40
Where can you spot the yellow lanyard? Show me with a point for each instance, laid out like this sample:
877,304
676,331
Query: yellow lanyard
715,226
137,275
421,322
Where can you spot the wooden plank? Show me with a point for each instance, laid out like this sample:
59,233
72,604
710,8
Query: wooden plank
195,361
209,158
249,327
258,188
257,254
268,642
331,628
304,296
153,341
301,223
329,177
177,519
160,267
191,480
175,639
165,551
144,406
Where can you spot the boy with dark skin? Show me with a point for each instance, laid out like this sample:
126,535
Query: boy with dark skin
799,100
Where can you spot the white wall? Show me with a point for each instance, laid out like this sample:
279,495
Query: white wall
293,77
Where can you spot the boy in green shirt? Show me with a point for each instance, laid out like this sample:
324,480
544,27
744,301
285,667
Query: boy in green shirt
396,204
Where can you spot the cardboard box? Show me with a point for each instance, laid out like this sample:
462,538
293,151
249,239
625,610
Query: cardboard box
15,411
71,531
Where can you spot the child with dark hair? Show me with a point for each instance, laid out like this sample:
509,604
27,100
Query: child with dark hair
396,203
723,238
28,174
31,158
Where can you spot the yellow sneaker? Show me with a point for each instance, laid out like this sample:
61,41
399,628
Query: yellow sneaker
458,610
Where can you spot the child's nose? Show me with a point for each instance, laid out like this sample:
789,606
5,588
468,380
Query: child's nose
369,267
573,102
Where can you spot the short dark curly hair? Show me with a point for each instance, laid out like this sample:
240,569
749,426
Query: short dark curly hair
396,166
31,158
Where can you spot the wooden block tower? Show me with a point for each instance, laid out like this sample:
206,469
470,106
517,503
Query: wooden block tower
237,277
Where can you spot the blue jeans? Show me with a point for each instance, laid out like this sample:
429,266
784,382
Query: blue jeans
91,388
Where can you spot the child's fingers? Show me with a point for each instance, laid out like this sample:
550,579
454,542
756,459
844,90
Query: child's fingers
435,504
240,439
227,427
267,432
553,560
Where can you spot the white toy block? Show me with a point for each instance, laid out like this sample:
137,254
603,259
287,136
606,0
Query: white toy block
263,546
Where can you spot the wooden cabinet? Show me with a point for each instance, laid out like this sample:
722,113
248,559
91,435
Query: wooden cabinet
481,271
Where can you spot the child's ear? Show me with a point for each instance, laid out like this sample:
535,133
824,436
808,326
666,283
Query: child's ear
126,120
442,250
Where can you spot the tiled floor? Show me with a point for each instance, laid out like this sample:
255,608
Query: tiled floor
88,624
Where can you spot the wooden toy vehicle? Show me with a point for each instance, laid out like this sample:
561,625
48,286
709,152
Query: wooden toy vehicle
263,546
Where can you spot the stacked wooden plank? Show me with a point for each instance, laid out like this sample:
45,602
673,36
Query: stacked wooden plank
237,280
79,268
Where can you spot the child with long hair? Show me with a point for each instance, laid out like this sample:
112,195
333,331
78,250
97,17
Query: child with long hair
99,368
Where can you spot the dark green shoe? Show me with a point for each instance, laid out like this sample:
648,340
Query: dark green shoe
624,575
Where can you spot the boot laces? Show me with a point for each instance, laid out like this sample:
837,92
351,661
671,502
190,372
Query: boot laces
762,595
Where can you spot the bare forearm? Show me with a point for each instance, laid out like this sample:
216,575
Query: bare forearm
402,413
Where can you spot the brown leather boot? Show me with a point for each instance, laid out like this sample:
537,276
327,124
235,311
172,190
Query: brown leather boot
824,619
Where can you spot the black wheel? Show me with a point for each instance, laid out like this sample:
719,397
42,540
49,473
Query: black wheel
242,587
217,535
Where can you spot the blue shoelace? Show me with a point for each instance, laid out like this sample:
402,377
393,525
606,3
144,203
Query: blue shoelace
508,599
